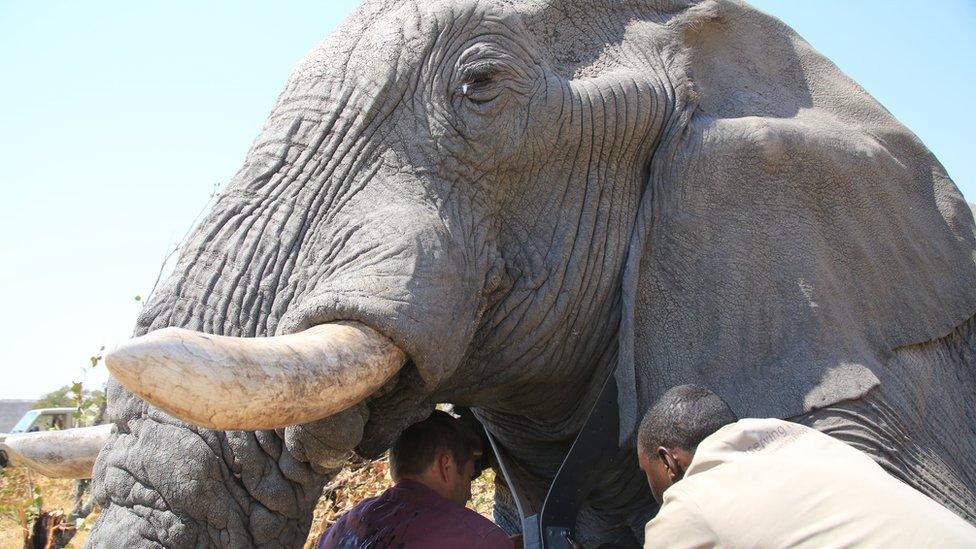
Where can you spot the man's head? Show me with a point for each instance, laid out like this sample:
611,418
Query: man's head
672,429
438,452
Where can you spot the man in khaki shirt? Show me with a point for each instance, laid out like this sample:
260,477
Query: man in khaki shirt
772,483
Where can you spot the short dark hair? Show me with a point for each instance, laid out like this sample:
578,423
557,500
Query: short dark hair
420,444
682,418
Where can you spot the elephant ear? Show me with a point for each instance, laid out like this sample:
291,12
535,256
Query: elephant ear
792,234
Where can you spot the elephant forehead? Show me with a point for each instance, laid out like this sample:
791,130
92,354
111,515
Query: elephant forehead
384,56
383,39
368,50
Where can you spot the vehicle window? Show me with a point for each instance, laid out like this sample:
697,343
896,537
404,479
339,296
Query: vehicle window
43,423
25,422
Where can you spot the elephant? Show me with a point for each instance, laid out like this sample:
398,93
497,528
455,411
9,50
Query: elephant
500,204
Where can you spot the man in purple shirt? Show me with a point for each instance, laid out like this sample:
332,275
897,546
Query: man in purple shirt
432,463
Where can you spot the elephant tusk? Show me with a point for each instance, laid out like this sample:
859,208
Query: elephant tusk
255,383
69,453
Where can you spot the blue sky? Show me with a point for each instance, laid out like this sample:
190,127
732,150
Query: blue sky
118,119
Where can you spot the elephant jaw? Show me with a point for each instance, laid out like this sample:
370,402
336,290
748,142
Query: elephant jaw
256,383
69,453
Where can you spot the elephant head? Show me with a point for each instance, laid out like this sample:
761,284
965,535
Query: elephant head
493,204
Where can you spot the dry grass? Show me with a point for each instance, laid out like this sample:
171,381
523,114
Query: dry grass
358,481
15,499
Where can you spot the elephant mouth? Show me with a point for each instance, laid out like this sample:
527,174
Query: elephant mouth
256,383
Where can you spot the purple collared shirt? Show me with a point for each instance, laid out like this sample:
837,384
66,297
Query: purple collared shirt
412,516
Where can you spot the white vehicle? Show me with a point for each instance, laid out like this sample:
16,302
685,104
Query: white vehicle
41,419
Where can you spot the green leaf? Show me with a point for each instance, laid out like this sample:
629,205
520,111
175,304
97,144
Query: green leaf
94,361
138,298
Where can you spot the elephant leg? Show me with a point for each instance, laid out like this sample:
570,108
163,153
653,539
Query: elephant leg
618,506
915,424
504,511
608,529
615,514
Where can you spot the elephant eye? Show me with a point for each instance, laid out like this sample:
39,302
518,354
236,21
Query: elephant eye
481,83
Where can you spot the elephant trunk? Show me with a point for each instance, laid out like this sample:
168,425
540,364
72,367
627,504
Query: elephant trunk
249,384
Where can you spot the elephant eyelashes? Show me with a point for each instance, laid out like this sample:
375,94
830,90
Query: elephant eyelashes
483,82
478,85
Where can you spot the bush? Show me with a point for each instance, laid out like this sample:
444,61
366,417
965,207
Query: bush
85,401
66,397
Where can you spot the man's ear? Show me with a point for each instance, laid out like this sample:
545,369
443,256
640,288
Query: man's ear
444,464
675,469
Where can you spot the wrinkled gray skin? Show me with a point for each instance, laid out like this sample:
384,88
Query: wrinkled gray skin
525,194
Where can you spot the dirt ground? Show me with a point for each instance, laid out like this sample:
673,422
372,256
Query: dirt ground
356,482
16,499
